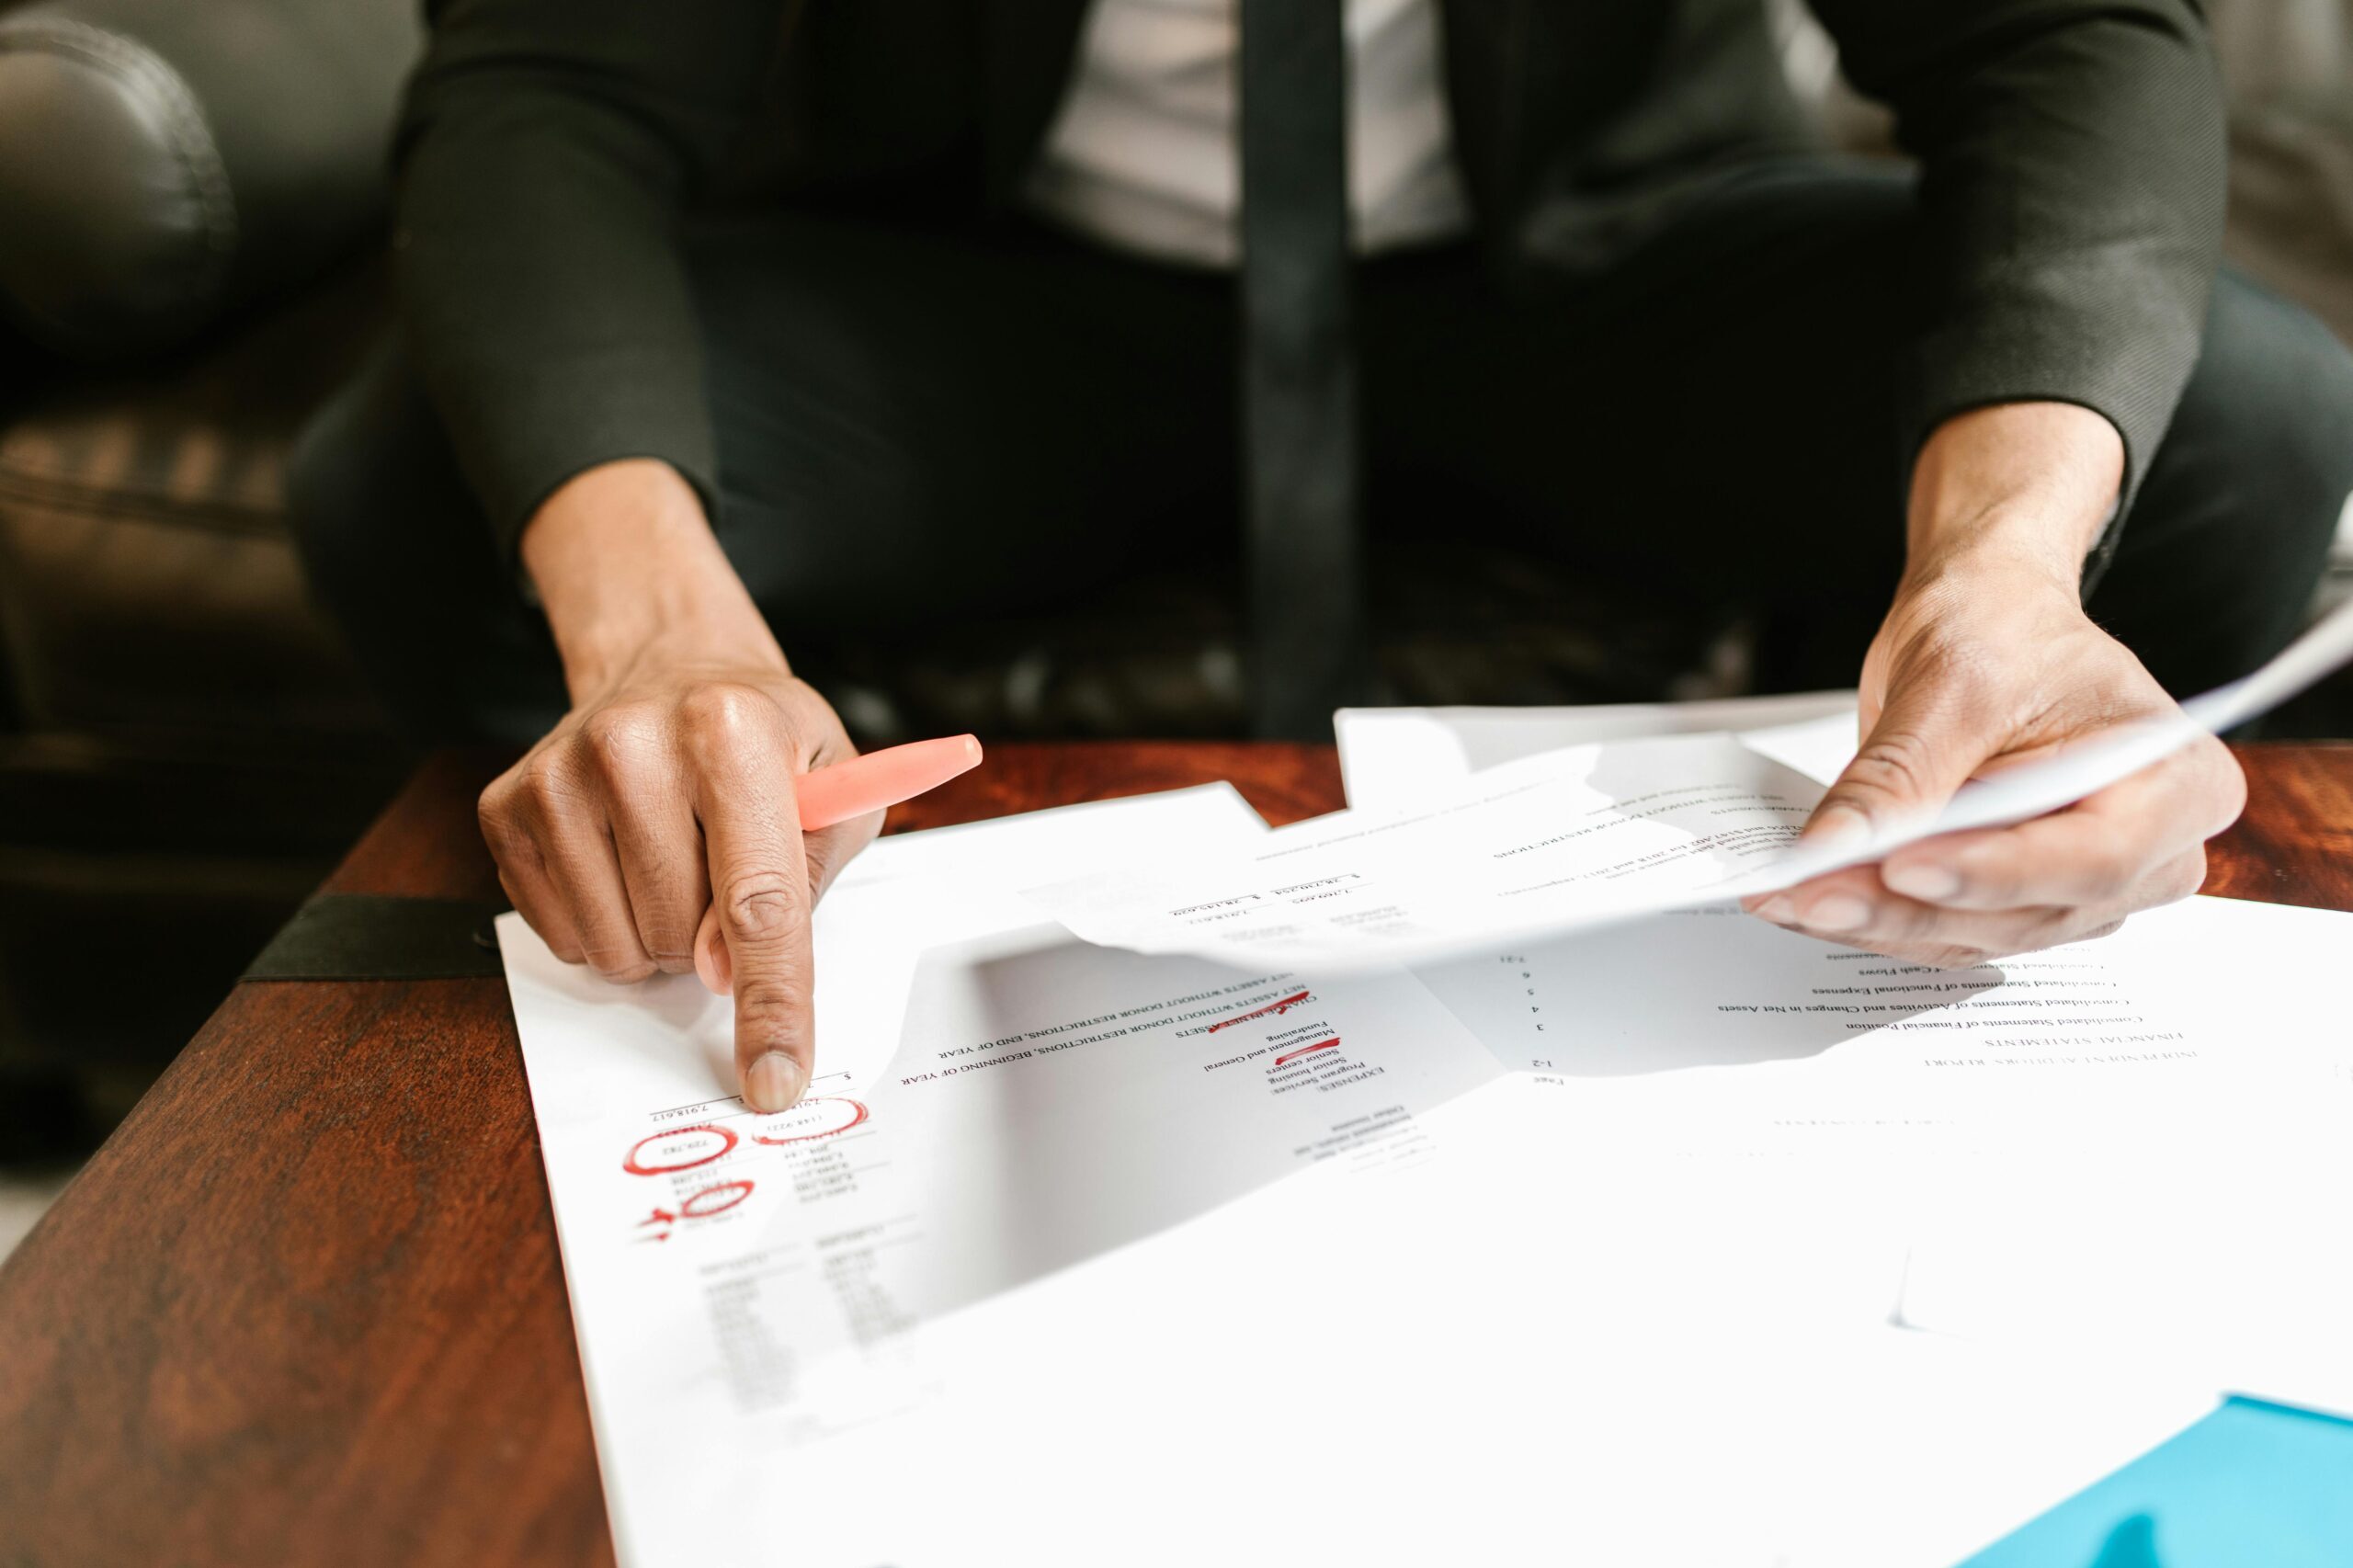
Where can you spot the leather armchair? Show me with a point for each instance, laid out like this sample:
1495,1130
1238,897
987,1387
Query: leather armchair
187,194
164,165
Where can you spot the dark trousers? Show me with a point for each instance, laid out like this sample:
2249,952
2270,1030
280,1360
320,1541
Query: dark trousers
917,421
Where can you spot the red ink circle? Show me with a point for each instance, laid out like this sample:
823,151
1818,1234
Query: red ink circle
733,1192
636,1166
838,1116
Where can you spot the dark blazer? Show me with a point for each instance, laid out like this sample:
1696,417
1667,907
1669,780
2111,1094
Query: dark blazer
2072,157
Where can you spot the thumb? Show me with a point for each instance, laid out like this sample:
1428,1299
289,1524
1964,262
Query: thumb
710,955
1919,749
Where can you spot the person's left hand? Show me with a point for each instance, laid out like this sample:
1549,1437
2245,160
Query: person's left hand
1973,671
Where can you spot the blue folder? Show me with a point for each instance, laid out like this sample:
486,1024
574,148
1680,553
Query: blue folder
2253,1485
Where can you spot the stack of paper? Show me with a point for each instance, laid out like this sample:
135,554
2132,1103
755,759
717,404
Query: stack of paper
1581,836
1592,833
1454,1178
1392,757
1077,1254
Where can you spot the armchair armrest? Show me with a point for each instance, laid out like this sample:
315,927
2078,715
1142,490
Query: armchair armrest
163,162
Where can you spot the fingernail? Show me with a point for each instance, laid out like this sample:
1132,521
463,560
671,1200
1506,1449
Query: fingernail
774,1083
1776,909
1838,912
1927,881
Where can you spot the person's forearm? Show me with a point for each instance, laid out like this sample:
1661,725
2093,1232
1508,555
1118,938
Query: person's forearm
2019,487
2069,213
625,562
546,154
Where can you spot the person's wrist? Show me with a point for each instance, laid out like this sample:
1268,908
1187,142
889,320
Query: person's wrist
2013,491
629,574
684,620
2021,560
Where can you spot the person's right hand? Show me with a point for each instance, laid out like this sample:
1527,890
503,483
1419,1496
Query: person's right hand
667,790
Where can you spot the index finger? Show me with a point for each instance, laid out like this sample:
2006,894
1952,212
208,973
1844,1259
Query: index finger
827,851
759,889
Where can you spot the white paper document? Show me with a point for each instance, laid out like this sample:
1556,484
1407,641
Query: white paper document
1078,1255
1049,1103
1586,835
1717,1030
1713,987
1577,836
2201,1239
798,1328
1398,757
1392,757
2213,1255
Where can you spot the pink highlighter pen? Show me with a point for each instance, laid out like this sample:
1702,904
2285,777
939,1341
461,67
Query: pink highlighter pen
874,782
881,779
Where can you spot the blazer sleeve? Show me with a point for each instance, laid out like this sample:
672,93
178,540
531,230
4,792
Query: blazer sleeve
546,152
2073,162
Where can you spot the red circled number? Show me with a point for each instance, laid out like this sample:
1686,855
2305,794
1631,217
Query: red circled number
637,1163
716,1199
826,1116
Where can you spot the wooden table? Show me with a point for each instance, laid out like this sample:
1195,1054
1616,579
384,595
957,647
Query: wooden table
305,1306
